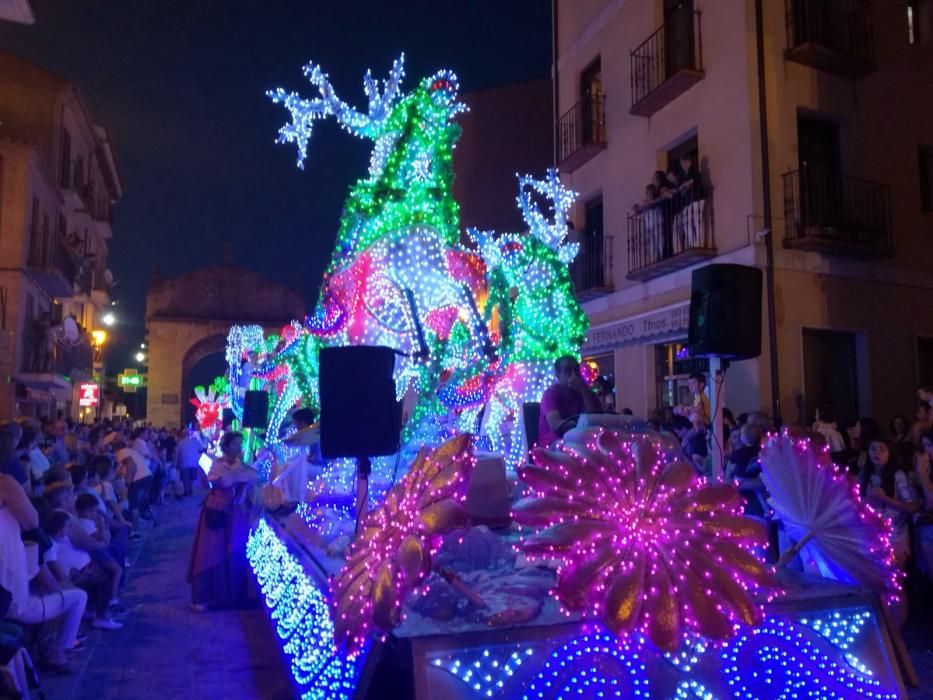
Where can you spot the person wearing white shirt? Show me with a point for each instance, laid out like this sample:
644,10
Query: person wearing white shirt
187,454
18,514
138,477
825,425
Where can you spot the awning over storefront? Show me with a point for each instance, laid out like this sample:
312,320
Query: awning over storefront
662,323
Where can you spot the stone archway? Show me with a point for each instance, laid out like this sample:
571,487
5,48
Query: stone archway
189,317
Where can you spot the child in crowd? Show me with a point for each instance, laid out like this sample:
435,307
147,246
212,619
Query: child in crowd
105,487
73,566
923,520
884,484
93,522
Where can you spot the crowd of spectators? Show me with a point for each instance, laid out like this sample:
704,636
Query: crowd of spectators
72,498
891,467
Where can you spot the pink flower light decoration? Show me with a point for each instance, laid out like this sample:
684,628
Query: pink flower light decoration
392,554
643,544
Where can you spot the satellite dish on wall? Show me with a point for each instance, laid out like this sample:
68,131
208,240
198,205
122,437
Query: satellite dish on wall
70,328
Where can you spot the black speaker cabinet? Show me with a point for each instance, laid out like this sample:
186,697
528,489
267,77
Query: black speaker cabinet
256,409
359,414
725,312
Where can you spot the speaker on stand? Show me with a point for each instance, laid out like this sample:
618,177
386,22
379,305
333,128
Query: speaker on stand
725,325
360,417
256,409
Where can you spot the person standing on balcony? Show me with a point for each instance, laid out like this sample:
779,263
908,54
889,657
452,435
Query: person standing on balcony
41,343
673,206
662,203
693,196
649,214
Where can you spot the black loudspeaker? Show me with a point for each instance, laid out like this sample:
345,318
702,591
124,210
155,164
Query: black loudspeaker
359,414
227,418
256,409
725,312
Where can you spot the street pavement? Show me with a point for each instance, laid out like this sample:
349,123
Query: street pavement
166,650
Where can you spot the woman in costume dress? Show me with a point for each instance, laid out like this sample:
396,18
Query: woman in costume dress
218,570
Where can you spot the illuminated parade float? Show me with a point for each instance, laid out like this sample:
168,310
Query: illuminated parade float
611,569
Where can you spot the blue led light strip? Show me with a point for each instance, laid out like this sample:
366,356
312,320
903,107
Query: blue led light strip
299,608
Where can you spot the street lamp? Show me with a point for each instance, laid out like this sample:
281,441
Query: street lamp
108,319
140,357
98,338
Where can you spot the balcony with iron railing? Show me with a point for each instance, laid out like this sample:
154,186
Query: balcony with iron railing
581,132
837,215
591,270
835,36
667,63
668,235
50,262
48,355
73,186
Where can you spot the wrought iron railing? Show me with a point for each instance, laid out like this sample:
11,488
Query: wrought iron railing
837,208
844,26
43,353
675,46
591,270
668,228
581,126
48,253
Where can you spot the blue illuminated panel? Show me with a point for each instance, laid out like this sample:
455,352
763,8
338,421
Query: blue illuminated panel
298,607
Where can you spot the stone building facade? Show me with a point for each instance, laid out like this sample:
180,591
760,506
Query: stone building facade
188,317
58,183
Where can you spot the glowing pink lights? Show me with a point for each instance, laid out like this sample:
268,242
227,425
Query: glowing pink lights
644,545
393,552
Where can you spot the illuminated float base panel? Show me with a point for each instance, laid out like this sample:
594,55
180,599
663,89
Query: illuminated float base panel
820,641
822,653
295,595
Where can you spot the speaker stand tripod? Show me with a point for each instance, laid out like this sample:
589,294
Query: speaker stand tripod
364,468
717,371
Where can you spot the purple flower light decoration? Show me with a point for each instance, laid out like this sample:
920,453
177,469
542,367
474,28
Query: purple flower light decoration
392,554
836,531
643,544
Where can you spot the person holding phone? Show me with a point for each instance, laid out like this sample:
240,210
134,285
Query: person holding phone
569,396
218,570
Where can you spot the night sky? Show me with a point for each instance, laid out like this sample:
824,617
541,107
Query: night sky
180,85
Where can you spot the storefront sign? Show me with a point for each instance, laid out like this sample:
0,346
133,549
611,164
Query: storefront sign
660,323
88,394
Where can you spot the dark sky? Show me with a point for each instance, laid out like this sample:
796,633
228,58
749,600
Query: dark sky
180,85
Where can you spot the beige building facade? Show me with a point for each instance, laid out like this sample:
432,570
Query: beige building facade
640,83
189,317
58,182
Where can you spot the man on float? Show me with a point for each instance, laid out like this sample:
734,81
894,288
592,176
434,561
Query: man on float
305,463
567,398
